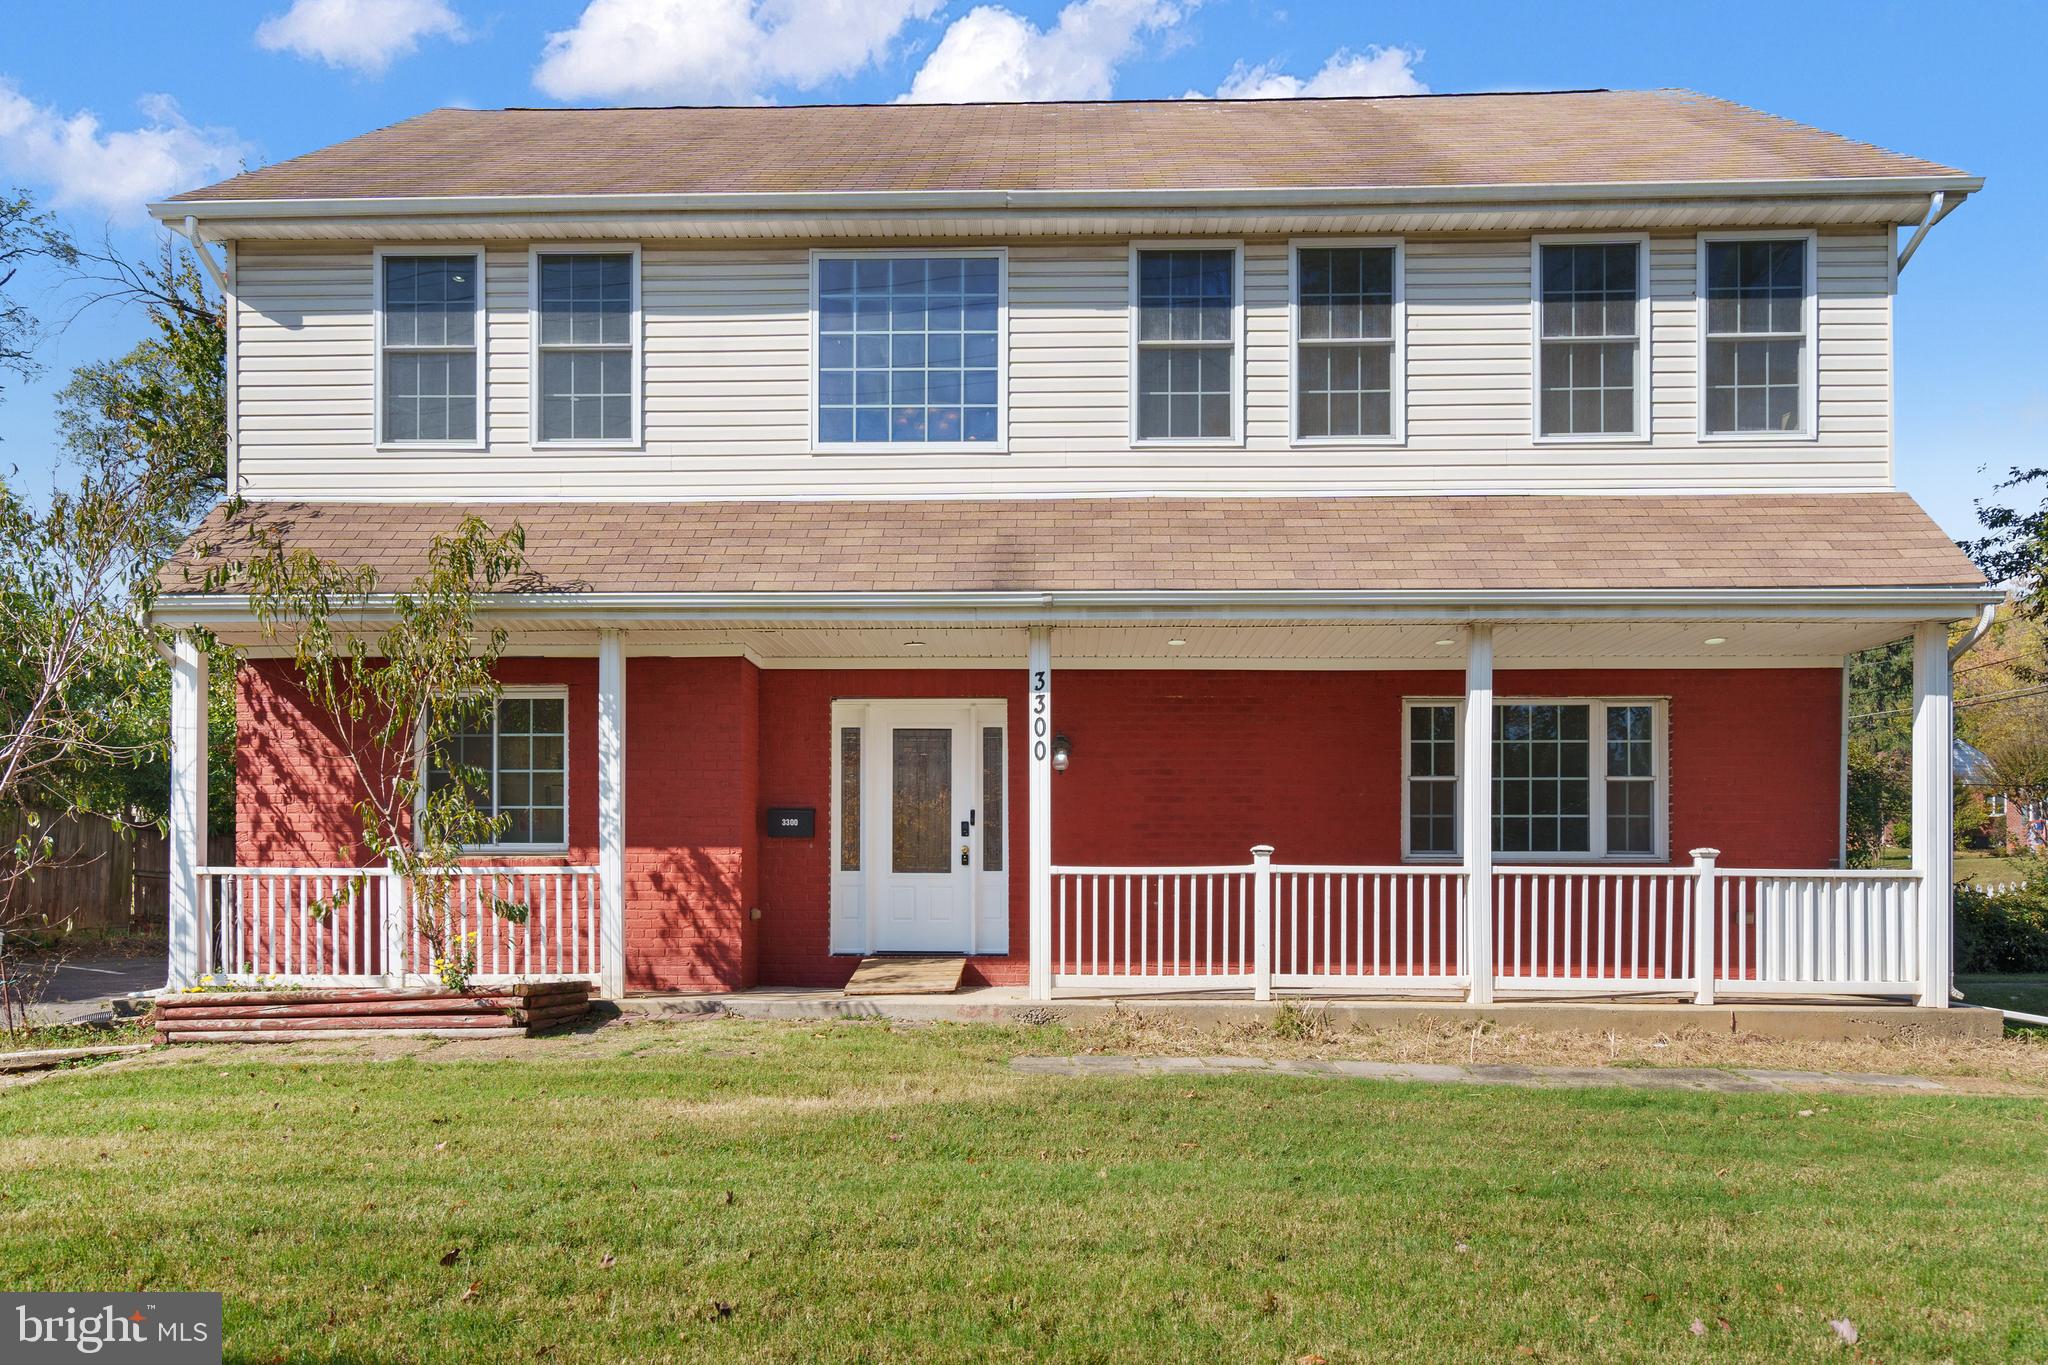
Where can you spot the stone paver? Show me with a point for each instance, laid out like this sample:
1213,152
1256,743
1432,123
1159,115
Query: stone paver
1740,1081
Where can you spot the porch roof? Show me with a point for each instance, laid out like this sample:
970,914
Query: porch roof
1738,543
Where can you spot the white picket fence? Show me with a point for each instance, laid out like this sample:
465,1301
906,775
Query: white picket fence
1699,930
338,927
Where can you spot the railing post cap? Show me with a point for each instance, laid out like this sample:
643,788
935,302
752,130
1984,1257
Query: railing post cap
1262,851
1705,855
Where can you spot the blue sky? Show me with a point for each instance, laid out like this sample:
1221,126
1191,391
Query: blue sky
176,95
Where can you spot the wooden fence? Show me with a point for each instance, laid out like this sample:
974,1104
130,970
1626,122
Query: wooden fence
101,877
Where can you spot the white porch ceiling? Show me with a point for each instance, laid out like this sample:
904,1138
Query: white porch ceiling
1211,644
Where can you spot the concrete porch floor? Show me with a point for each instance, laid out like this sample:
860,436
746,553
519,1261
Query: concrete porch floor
1790,1021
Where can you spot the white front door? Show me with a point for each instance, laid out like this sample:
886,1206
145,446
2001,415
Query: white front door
924,849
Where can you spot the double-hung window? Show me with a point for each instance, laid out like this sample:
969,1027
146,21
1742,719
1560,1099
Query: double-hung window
430,348
514,757
1590,357
909,350
1186,326
1347,362
1757,320
586,337
1572,779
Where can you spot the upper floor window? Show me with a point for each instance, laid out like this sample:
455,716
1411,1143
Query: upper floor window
515,758
910,349
1589,360
430,343
1574,779
586,344
1186,324
1755,374
1347,363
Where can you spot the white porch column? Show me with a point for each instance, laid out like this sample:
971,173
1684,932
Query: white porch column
1933,807
1038,815
1476,811
611,811
187,834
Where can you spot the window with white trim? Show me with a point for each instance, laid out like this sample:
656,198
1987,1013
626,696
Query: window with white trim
586,347
1184,385
1345,356
1757,324
1589,348
429,336
514,758
910,349
1572,779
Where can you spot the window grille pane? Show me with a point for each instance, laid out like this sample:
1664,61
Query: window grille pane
430,300
849,785
1346,390
1541,788
1186,390
586,300
1629,823
921,364
430,396
586,395
1432,816
532,774
992,798
1754,385
1588,357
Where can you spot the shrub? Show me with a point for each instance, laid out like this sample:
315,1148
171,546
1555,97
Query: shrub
2007,933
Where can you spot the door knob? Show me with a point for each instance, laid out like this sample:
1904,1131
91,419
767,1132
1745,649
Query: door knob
964,860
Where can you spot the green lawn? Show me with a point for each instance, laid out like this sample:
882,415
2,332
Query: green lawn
1980,867
849,1192
2028,994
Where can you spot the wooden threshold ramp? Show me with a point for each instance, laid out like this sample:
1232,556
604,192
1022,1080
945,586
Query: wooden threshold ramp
907,976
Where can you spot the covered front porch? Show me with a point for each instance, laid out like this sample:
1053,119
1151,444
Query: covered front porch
1090,795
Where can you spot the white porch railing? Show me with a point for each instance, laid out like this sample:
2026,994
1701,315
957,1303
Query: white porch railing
1699,930
261,922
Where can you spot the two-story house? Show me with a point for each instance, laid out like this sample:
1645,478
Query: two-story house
977,529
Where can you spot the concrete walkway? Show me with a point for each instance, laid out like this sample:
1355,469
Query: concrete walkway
1748,1080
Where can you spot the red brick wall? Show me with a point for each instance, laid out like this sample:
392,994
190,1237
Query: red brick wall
1169,766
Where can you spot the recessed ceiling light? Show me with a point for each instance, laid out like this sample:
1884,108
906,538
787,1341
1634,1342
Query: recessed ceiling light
1717,639
1447,642
1175,643
913,644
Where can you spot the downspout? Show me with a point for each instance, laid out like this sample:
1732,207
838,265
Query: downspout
1985,615
1939,206
190,232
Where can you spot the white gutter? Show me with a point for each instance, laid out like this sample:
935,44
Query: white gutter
1939,206
1507,605
867,201
1985,615
189,230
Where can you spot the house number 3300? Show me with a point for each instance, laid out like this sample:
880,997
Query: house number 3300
1041,706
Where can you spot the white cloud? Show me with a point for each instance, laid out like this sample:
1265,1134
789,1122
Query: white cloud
991,53
82,165
362,35
1375,71
704,51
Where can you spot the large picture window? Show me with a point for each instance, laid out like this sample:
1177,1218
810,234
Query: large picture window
1589,354
430,343
1185,344
1572,779
1757,327
910,350
586,347
1347,381
516,760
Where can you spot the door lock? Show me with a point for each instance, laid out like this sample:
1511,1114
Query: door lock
964,859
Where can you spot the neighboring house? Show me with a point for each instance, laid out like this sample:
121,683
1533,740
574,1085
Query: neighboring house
973,529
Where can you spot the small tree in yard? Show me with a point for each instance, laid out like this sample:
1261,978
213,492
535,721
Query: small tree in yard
396,700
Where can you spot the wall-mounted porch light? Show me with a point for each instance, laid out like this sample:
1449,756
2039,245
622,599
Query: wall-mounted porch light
1062,752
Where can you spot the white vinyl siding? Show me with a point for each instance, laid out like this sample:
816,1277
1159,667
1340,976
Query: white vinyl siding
726,386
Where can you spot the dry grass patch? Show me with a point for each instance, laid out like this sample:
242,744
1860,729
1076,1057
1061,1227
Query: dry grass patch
2015,1064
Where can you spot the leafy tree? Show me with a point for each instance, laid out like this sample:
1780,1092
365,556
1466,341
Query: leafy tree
25,235
395,700
2014,548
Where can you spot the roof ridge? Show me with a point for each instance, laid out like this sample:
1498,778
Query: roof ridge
1174,100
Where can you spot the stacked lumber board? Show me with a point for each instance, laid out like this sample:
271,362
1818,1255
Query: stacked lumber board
369,1012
